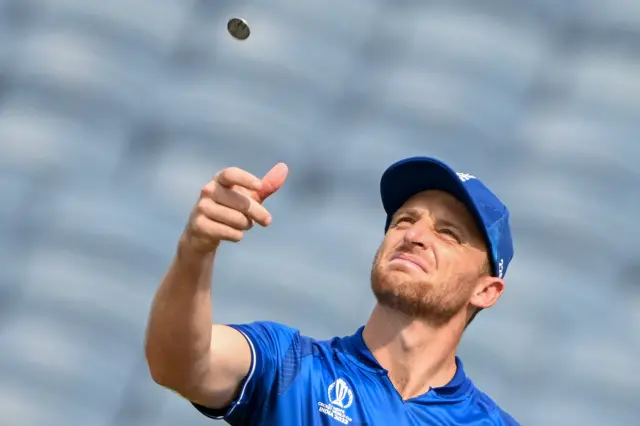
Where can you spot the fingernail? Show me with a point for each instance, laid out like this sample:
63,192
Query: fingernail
268,221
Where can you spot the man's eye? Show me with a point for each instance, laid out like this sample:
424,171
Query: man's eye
451,233
404,219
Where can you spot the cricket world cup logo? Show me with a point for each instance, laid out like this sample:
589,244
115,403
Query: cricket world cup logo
340,395
340,398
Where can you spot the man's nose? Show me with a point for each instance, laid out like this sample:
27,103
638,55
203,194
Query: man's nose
418,235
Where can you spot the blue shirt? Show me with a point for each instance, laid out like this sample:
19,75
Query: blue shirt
295,380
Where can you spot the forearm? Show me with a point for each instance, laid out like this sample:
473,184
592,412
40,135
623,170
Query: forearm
179,328
185,351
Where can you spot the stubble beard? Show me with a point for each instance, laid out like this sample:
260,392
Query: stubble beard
422,300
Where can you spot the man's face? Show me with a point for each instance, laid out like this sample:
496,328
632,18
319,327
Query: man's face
432,263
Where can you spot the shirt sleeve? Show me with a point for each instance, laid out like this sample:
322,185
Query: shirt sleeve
271,355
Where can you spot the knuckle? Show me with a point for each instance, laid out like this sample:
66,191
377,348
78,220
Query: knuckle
226,172
208,189
200,223
219,175
199,213
200,205
204,205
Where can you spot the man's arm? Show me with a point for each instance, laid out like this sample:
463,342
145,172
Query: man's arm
203,362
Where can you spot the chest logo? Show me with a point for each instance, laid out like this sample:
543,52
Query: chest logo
340,395
340,398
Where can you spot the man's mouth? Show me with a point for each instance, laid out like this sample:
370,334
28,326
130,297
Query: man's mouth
411,259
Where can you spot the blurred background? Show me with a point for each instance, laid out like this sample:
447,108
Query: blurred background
113,114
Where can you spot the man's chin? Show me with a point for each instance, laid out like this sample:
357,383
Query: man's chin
395,270
403,299
399,302
396,290
405,279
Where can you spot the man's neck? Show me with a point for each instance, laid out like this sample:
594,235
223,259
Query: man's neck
417,355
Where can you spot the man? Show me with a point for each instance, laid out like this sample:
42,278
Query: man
443,258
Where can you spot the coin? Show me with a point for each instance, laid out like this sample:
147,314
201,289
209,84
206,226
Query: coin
238,28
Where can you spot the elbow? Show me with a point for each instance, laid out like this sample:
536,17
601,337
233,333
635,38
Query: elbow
159,377
168,374
166,377
158,370
160,367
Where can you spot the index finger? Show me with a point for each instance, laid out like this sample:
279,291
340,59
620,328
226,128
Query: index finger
235,176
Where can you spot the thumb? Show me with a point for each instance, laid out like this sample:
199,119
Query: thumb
272,181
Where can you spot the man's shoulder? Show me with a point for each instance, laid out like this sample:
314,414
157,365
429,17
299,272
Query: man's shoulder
487,405
286,335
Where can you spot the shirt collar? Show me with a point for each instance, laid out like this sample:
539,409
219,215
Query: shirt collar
357,348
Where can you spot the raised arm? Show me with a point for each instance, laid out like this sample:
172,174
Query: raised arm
185,350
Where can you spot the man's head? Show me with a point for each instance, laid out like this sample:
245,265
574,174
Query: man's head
447,243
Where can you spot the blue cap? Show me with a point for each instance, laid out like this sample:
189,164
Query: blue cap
407,177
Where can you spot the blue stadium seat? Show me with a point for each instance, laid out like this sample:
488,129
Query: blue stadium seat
34,138
159,24
605,81
78,64
225,115
73,369
14,187
621,15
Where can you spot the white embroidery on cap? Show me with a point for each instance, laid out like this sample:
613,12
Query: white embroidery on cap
465,176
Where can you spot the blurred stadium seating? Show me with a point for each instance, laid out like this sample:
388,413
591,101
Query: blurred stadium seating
114,113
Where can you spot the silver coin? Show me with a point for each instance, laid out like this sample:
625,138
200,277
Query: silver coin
238,28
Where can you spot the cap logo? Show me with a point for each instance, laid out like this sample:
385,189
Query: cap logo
501,269
465,176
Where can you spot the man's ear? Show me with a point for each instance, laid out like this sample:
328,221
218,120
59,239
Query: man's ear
487,292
